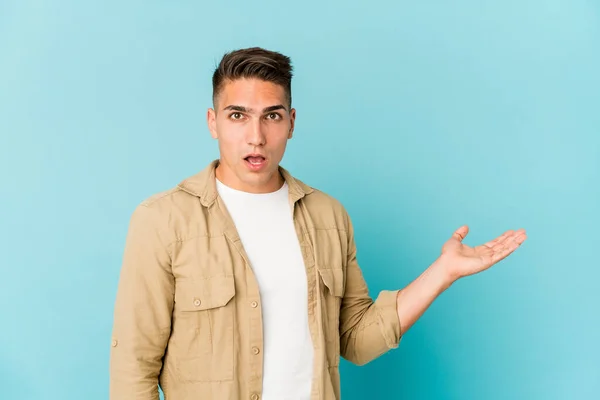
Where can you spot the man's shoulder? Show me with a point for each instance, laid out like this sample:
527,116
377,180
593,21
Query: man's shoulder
184,193
179,194
174,196
156,198
162,208
170,211
167,204
318,197
326,210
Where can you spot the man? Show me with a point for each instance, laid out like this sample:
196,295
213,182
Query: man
242,282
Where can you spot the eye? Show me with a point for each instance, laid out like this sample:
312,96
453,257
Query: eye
235,115
274,116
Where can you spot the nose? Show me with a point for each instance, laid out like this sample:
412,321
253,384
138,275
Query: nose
255,135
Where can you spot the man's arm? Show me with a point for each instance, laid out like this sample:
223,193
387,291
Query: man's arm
415,299
456,261
370,328
143,307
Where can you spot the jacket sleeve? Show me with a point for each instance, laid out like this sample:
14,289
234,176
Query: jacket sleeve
368,328
142,310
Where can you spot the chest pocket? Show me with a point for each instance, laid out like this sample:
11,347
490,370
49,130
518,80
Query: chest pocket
331,284
202,340
333,279
330,252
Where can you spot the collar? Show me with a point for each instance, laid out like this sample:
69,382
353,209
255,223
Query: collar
203,185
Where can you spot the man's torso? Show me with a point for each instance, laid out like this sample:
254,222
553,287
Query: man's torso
266,229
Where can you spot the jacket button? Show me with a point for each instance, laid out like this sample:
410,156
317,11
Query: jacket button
254,304
114,343
254,397
255,350
197,302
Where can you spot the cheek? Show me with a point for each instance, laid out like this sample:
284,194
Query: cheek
278,134
279,143
228,148
231,137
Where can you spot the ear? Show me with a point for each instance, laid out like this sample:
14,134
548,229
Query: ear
211,120
292,122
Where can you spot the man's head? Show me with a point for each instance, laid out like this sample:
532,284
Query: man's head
252,118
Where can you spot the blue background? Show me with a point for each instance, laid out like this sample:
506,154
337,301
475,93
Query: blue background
418,116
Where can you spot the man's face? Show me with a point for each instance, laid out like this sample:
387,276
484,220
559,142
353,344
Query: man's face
252,123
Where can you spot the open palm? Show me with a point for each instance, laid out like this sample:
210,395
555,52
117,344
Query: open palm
465,260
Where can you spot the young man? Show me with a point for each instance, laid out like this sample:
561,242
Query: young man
242,282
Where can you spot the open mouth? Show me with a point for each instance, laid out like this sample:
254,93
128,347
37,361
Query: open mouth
255,161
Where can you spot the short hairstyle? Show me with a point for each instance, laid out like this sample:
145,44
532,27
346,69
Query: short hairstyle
254,62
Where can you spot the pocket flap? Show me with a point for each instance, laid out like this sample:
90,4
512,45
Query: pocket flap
196,295
334,280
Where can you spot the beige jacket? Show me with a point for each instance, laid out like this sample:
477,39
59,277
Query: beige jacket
188,313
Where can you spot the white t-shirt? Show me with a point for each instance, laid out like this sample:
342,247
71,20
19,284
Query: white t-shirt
266,228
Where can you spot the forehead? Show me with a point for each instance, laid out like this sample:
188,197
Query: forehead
251,92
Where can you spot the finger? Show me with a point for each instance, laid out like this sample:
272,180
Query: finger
504,245
503,250
461,233
499,239
505,237
520,238
514,237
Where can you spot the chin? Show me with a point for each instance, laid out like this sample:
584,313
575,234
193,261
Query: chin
258,179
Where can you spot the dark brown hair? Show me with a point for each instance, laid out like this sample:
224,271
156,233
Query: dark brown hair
254,62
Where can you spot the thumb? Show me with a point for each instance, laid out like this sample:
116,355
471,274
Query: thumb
461,233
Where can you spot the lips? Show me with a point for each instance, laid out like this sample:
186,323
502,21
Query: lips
255,162
255,159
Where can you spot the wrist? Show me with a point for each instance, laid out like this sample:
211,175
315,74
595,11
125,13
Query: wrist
442,268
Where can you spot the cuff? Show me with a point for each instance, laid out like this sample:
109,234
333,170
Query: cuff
387,307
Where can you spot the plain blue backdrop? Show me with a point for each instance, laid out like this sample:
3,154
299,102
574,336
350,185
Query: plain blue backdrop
418,116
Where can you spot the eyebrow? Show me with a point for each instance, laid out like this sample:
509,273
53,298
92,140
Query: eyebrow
249,110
